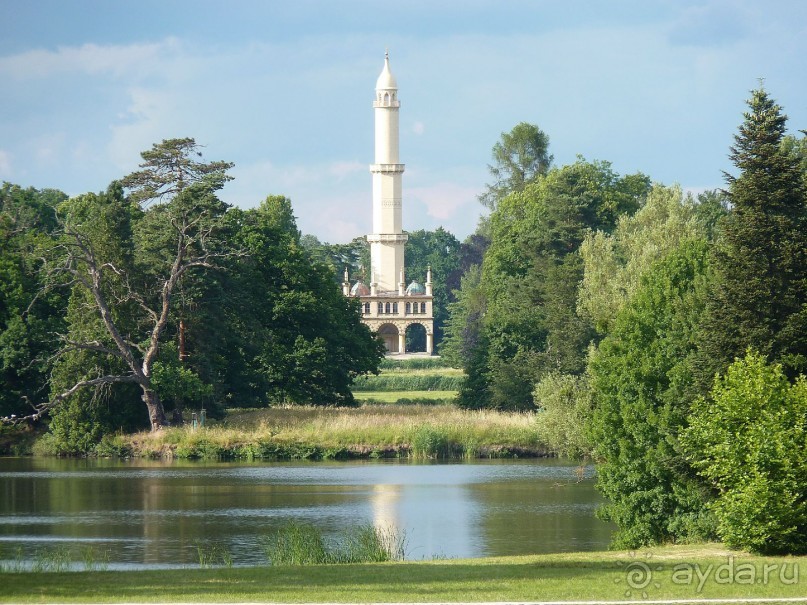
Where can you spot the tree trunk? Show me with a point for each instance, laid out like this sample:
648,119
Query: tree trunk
155,408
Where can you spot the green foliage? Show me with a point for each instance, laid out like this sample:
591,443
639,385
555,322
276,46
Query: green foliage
177,384
749,441
614,263
353,256
170,167
516,320
641,385
439,250
29,315
759,292
288,333
519,158
564,404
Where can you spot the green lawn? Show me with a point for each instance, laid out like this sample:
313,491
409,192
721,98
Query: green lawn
557,577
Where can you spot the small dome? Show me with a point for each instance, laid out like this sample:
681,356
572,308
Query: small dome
415,288
386,81
359,289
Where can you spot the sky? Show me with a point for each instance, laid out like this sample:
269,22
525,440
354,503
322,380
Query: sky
284,89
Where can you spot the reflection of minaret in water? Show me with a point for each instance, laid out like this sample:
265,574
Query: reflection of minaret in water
384,503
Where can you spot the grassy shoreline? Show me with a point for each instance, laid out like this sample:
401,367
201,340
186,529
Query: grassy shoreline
717,573
315,433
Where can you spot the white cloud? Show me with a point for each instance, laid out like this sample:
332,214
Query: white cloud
90,59
340,170
444,200
418,128
145,122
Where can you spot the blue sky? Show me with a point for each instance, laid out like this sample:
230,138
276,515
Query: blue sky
285,89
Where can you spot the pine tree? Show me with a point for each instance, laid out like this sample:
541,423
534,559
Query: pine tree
759,289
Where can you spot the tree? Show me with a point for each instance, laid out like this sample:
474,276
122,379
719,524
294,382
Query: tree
641,388
519,158
28,316
438,250
759,294
530,274
353,256
614,263
749,439
126,283
293,336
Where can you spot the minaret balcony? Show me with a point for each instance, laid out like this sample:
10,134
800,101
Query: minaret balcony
387,168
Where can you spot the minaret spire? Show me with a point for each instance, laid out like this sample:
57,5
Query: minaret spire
388,239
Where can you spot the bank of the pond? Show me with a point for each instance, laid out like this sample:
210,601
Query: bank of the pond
316,433
658,574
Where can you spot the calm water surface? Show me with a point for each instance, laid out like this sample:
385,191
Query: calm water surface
154,514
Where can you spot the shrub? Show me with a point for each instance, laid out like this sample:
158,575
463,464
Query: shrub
748,440
565,405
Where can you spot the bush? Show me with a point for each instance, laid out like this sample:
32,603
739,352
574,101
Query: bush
748,440
564,402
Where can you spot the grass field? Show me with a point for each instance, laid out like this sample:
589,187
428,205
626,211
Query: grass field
678,572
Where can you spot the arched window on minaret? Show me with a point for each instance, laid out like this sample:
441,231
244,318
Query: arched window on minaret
386,98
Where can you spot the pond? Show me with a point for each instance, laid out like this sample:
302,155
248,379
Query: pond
155,514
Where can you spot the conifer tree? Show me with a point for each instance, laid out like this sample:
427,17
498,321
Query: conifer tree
759,289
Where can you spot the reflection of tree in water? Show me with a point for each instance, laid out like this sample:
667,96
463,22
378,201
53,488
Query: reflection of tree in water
540,515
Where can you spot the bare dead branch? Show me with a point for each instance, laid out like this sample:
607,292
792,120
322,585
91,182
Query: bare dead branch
41,409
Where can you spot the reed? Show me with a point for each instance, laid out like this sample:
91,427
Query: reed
303,544
213,555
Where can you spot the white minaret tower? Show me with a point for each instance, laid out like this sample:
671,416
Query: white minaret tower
387,239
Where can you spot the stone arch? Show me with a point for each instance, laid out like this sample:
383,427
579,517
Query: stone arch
416,337
389,332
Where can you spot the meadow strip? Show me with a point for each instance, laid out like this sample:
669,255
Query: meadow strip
307,432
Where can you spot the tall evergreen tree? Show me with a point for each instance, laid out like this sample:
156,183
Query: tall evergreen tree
759,292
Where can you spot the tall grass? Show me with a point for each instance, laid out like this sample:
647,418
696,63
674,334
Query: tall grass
303,544
307,432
